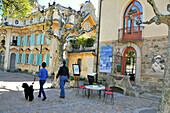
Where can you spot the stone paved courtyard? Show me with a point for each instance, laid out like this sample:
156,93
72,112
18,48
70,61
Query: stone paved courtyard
12,99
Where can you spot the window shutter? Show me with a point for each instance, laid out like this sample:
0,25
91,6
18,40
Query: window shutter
26,38
24,58
19,41
33,40
40,62
39,39
23,42
49,41
17,58
37,59
47,59
66,61
31,61
42,40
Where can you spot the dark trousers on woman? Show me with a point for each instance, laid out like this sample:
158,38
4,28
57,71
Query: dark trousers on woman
42,82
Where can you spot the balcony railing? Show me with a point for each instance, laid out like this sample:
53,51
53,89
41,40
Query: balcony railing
133,33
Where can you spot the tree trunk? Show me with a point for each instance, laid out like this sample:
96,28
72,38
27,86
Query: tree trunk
165,99
60,51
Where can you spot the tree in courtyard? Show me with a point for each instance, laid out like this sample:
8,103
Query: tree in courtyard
18,8
66,30
75,30
158,19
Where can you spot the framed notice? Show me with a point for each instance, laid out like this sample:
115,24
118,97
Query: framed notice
106,54
76,70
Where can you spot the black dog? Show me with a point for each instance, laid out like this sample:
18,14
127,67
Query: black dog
28,91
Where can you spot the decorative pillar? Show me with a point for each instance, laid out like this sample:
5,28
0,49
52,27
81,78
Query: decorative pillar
7,52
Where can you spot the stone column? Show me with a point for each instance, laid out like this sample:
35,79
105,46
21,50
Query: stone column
52,59
165,101
7,51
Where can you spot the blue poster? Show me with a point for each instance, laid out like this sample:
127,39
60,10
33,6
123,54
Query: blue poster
106,59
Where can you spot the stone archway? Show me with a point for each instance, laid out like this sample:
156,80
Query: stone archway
12,62
138,61
2,58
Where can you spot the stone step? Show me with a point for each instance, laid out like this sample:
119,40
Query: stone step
150,96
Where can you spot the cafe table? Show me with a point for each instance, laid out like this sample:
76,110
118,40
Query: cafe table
95,87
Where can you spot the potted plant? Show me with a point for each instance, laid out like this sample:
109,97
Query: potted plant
119,68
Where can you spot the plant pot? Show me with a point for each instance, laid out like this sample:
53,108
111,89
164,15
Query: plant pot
118,73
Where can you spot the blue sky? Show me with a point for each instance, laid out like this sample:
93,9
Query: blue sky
75,4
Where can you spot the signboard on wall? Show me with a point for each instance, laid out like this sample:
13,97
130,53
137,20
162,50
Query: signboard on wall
106,54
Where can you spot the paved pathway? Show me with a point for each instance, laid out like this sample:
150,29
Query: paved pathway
12,99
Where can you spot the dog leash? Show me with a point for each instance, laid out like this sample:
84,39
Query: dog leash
34,80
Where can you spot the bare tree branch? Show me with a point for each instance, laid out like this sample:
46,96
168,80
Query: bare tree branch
158,19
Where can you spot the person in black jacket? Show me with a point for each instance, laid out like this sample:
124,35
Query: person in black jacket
64,76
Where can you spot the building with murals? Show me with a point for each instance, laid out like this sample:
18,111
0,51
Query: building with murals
140,50
25,45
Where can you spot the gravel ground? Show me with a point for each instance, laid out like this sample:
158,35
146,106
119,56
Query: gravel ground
12,99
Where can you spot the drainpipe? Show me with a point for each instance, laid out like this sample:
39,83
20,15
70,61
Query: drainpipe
98,41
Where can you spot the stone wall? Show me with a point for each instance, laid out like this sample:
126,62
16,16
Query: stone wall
152,80
150,49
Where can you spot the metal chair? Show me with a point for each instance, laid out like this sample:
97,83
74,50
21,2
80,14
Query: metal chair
107,93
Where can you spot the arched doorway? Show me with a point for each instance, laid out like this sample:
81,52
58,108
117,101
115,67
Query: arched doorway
2,58
12,62
129,63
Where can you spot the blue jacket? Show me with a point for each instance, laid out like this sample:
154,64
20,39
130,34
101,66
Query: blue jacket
43,75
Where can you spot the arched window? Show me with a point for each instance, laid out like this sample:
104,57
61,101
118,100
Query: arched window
131,29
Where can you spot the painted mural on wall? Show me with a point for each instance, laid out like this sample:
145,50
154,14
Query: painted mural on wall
106,59
157,63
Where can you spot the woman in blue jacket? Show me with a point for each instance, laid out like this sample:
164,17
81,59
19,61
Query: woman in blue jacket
43,75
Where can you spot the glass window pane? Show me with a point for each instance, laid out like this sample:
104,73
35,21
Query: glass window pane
138,5
133,10
128,8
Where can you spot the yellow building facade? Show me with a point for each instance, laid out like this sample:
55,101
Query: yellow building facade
26,44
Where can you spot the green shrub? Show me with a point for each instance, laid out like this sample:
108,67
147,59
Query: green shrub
89,42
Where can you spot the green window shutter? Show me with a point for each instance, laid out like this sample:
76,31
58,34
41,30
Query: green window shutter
47,59
17,58
19,41
33,40
42,39
37,59
39,39
32,55
26,38
40,61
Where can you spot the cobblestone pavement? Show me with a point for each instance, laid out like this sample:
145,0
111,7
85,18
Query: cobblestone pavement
12,99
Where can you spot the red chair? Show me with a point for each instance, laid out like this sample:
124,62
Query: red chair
108,92
83,88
